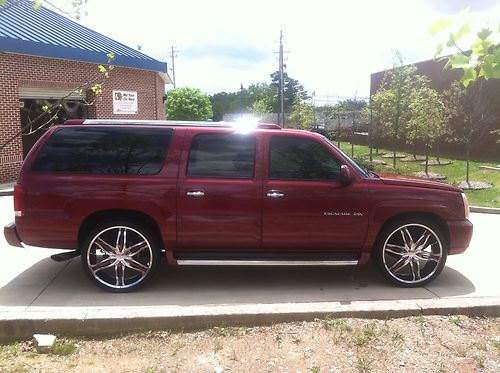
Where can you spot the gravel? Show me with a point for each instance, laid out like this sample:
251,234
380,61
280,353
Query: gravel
415,344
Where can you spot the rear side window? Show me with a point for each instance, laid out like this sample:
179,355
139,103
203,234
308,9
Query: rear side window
299,158
222,156
105,150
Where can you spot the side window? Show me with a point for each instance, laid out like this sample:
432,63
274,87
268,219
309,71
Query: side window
222,156
105,150
299,158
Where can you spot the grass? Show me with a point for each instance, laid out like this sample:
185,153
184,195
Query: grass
455,173
363,364
365,335
456,320
63,348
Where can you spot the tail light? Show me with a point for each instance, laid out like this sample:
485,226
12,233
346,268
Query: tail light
466,205
19,200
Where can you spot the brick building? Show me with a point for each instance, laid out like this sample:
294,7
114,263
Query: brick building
44,57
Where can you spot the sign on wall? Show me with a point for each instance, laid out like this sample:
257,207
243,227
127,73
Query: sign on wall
124,102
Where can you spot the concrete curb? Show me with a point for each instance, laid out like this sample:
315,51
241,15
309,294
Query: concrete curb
7,189
485,210
18,324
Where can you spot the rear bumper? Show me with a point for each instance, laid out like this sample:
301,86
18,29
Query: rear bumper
460,235
10,233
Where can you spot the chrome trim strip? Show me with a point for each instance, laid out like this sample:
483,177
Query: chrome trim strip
268,262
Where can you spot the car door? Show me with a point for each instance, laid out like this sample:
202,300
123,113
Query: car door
219,192
305,206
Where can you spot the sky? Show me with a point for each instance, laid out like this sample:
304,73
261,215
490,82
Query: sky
333,46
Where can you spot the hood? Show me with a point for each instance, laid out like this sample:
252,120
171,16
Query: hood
394,179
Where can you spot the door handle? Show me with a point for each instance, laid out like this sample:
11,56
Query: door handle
195,193
275,194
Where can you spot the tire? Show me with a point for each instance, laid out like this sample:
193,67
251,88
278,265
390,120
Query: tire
120,256
411,252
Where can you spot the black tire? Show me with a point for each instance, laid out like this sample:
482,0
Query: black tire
120,255
414,260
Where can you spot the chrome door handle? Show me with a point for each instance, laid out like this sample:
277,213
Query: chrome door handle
275,194
195,193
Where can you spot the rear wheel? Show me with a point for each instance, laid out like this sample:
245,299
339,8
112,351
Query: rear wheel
411,252
120,256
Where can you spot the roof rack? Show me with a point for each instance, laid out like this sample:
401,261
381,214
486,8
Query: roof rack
168,123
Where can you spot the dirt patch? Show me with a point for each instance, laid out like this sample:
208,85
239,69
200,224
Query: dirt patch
430,175
433,162
416,344
474,185
378,161
391,155
413,159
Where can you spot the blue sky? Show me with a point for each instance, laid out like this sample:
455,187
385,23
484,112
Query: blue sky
333,45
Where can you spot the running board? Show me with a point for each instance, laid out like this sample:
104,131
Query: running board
267,262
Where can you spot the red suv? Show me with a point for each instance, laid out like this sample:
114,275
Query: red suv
126,195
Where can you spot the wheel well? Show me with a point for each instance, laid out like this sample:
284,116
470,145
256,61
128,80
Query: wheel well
97,217
433,218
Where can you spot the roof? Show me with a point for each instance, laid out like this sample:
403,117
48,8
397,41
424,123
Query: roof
42,32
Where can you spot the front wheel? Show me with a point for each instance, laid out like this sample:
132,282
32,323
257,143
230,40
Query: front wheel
119,256
411,252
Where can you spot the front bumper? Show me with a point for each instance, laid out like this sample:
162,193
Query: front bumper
10,233
460,235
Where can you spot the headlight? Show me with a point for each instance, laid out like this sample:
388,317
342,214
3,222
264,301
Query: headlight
466,205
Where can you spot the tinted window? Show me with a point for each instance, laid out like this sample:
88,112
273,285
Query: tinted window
298,158
225,156
105,150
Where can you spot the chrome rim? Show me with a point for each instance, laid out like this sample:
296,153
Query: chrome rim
119,257
412,253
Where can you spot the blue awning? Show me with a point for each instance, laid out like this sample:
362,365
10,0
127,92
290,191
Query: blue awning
42,32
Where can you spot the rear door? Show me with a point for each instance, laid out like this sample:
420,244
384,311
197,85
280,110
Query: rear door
219,192
305,207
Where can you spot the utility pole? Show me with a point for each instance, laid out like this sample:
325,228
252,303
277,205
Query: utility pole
173,55
281,116
241,99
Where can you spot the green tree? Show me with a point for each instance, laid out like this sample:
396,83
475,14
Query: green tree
479,58
370,115
470,116
302,115
427,121
394,97
224,103
292,89
188,104
260,107
257,98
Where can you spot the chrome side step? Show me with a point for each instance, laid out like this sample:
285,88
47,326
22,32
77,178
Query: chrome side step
267,262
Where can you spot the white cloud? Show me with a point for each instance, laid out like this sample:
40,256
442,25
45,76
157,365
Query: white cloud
334,46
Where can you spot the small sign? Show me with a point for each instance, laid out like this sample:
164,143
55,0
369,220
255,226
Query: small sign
124,102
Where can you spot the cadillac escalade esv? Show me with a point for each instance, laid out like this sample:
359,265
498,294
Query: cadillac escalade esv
126,195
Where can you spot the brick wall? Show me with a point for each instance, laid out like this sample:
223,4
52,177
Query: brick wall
28,71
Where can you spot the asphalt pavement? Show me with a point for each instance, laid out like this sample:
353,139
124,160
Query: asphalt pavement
40,295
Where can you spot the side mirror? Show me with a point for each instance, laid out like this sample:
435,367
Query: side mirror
345,175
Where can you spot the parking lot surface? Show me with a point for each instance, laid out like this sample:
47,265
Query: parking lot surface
32,286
